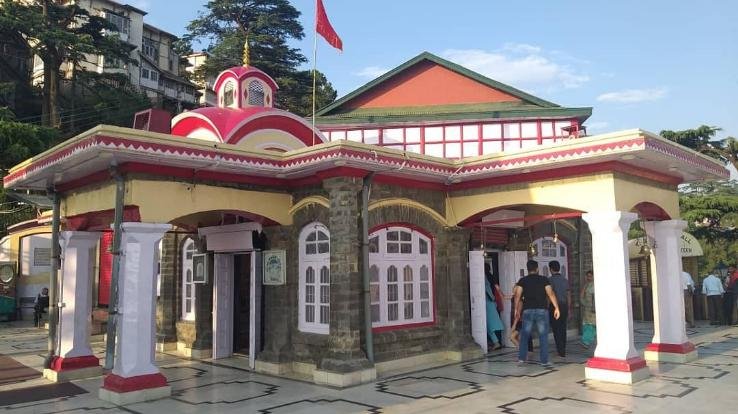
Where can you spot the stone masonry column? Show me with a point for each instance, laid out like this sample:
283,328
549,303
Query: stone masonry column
166,307
135,377
344,362
670,343
74,358
616,358
461,345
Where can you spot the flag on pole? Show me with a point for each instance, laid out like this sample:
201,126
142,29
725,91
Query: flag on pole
323,26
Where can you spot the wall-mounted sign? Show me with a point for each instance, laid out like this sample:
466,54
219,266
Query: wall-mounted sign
275,267
200,266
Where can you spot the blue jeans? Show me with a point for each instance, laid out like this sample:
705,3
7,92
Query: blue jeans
539,317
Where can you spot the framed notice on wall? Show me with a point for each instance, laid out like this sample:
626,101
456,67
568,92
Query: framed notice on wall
275,267
200,268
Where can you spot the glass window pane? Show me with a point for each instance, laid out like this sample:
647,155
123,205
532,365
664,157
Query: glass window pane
188,306
338,135
412,135
188,255
529,130
375,313
188,291
311,236
422,246
547,129
325,294
453,133
374,292
424,309
406,248
560,132
324,247
354,135
324,314
471,132
392,274
405,236
492,131
392,136
371,136
392,312
408,291
453,150
310,313
471,149
374,244
393,235
424,272
374,274
433,134
392,293
562,251
407,274
310,275
310,248
408,311
511,130
322,236
435,150
325,275
393,247
413,148
424,293
491,147
310,294
188,277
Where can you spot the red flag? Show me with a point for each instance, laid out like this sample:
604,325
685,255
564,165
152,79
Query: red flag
323,26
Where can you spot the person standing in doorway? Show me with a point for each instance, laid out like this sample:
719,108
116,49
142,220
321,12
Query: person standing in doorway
494,323
712,287
532,290
39,307
589,320
688,286
561,289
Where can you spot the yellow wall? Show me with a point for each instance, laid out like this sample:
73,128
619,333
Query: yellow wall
630,192
270,138
14,253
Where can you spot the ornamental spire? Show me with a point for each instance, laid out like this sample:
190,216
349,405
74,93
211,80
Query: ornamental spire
246,58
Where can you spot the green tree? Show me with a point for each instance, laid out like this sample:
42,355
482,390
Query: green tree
60,32
268,25
702,139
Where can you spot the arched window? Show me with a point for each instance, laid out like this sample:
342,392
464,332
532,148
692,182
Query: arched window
229,94
256,93
188,287
315,279
400,275
549,250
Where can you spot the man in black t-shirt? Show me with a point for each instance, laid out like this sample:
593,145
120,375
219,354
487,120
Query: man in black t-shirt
533,290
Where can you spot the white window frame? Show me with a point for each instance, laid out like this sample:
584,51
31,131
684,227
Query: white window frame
382,260
320,263
188,248
544,258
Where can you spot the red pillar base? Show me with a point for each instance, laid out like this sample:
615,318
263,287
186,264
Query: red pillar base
678,353
120,390
67,369
619,371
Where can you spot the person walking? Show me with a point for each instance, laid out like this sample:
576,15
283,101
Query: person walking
561,289
39,307
688,286
494,323
712,287
589,320
532,290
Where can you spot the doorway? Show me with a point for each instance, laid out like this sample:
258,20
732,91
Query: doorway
241,303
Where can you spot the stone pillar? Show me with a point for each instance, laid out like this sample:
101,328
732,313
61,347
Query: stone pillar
461,345
135,377
670,341
616,358
276,357
74,358
344,362
166,306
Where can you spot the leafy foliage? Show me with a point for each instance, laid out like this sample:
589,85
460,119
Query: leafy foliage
702,139
268,25
20,141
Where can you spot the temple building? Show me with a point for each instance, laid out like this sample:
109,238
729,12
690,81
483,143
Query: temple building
354,249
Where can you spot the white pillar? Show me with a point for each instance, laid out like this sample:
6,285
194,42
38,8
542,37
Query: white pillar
135,377
670,341
74,357
616,358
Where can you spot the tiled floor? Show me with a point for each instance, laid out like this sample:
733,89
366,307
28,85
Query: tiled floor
492,384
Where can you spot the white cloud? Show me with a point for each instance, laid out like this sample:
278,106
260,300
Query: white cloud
633,95
372,72
523,66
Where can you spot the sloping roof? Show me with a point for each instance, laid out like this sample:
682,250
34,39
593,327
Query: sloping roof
426,56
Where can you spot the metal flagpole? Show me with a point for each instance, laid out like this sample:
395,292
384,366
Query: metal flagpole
315,57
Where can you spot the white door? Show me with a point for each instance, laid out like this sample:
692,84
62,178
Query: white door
255,308
512,268
477,298
223,306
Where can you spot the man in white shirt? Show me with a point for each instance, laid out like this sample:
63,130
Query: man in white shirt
688,286
712,287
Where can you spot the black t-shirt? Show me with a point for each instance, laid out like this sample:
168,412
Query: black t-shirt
534,291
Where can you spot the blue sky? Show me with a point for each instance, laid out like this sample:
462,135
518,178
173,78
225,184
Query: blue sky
653,64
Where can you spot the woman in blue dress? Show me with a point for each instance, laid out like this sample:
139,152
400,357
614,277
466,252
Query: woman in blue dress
494,323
